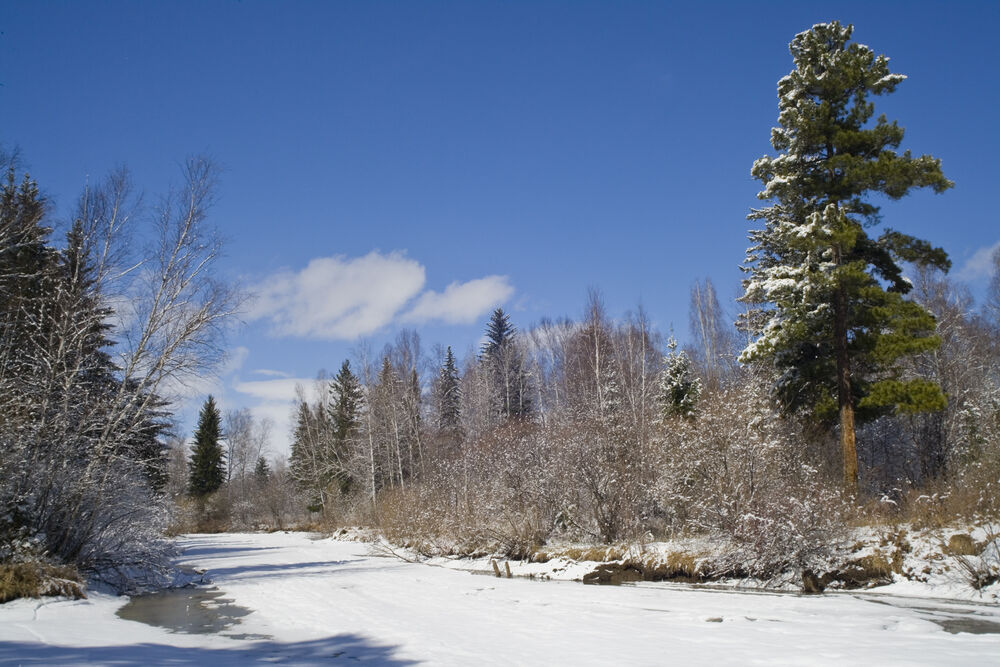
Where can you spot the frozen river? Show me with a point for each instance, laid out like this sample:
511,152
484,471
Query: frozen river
290,599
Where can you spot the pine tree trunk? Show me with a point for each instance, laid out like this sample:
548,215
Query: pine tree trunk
844,398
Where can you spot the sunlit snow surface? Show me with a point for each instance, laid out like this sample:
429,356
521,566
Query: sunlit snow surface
330,602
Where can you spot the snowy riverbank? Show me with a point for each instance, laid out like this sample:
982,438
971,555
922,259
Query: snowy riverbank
321,601
900,560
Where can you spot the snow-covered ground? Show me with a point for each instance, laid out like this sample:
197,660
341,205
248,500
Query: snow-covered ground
328,601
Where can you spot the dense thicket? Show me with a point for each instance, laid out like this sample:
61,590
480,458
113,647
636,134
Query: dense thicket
93,337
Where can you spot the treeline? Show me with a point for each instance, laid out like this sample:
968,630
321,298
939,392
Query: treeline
597,429
96,336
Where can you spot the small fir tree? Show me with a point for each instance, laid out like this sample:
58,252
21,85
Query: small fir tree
680,389
262,471
207,468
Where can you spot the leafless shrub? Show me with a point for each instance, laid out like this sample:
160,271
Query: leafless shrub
739,470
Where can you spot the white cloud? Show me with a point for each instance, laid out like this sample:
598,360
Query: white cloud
339,298
282,389
267,372
461,303
234,360
979,266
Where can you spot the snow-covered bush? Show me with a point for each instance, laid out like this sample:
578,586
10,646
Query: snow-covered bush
497,494
742,472
521,486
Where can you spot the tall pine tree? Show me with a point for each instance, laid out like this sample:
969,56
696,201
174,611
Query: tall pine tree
206,468
831,315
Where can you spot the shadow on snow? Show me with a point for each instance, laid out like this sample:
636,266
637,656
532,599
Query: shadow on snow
218,552
260,571
346,648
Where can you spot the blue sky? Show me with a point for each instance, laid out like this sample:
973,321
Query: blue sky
391,164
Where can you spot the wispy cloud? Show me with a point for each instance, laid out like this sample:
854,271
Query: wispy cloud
461,303
338,297
235,360
283,389
267,372
980,265
342,298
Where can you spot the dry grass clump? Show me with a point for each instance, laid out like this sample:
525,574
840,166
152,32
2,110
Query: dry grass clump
873,568
935,505
402,521
646,566
35,580
962,544
675,566
199,515
894,547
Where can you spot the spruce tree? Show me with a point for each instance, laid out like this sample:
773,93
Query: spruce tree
80,301
206,469
82,320
346,409
27,277
508,378
299,458
499,333
448,393
262,471
831,314
345,415
307,464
